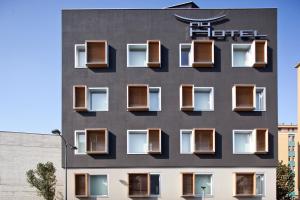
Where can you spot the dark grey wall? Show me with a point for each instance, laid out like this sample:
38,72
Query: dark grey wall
120,27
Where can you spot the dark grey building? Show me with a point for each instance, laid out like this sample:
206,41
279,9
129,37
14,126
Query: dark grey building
161,102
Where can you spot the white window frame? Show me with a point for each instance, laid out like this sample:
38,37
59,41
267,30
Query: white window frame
89,182
153,195
264,186
190,56
265,99
252,52
89,98
147,141
76,142
253,141
159,98
212,94
139,44
76,48
191,140
212,184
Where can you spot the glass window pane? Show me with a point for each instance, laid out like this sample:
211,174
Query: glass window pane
260,184
137,142
80,142
154,184
154,99
242,56
203,180
98,100
202,99
137,55
260,99
186,142
185,55
242,142
81,58
98,185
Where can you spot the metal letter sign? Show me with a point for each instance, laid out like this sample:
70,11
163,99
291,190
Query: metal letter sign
202,28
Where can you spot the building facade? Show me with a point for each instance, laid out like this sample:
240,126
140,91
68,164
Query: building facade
170,103
288,147
20,152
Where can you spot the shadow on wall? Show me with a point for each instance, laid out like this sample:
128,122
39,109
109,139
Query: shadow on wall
164,60
164,147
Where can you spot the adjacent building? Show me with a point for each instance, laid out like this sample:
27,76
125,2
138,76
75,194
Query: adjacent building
288,148
20,152
170,103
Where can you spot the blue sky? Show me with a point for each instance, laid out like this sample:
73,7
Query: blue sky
30,55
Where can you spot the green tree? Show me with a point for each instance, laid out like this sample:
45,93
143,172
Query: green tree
43,179
284,182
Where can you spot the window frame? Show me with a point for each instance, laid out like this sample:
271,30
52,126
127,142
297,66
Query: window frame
76,142
191,141
90,89
211,96
264,185
237,108
154,195
159,98
78,47
190,56
235,184
264,100
89,188
147,141
138,108
252,51
252,144
211,180
127,56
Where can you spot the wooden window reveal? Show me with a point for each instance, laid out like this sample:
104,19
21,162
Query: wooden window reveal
96,141
204,140
187,97
245,184
81,185
154,140
96,53
137,97
203,53
154,55
244,97
138,185
260,53
187,184
80,98
261,140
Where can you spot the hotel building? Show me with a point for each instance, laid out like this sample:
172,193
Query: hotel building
172,103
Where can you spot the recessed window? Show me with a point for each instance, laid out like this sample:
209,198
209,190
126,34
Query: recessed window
136,55
143,184
186,141
144,141
98,185
204,99
203,180
185,55
81,185
97,141
80,142
250,141
155,97
96,53
153,53
154,184
243,97
260,99
245,184
80,56
260,184
202,53
80,98
98,99
137,142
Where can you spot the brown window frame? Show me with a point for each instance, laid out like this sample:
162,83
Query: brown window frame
266,138
235,107
204,63
152,47
159,140
99,63
148,186
181,91
261,47
253,184
195,130
106,142
86,185
80,108
137,108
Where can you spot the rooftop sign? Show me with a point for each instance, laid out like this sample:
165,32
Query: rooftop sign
203,28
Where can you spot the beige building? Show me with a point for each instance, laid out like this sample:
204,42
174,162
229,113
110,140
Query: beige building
288,145
20,152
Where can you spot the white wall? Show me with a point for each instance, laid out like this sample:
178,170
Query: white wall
20,152
171,182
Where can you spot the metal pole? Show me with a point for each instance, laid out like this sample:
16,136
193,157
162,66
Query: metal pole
66,175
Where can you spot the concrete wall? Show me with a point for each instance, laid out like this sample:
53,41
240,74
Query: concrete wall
122,26
20,152
170,179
